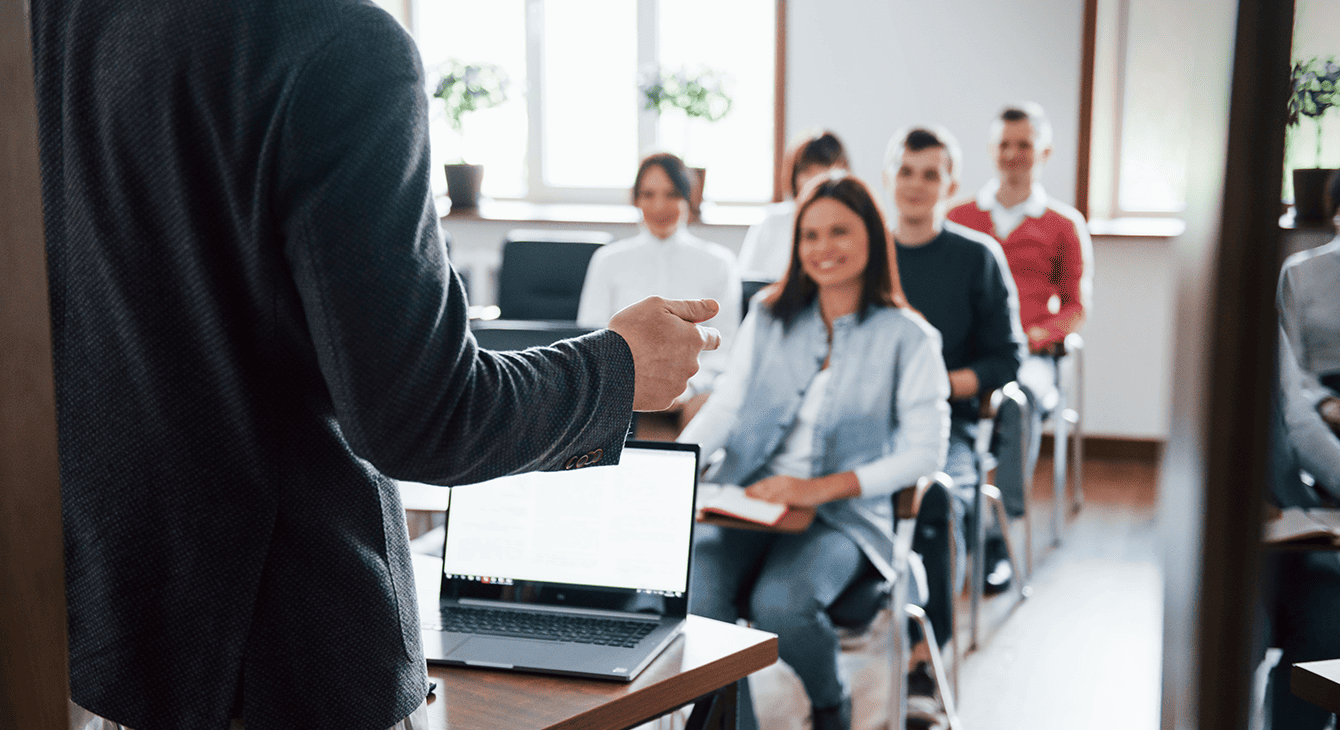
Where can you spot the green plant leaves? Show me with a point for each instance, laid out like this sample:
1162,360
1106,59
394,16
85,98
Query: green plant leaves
1314,88
702,94
466,87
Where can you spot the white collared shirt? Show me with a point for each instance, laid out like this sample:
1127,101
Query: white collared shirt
766,250
682,266
1005,220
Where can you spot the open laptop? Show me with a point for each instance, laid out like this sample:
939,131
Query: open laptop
582,572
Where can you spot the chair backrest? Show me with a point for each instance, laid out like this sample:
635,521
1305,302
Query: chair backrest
506,334
858,605
542,272
748,288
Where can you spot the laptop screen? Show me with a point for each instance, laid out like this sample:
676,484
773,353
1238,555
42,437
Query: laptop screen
627,527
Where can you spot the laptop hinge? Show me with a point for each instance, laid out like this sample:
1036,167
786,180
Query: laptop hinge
571,610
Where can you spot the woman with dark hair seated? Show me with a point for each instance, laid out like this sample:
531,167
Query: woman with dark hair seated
665,260
766,250
834,397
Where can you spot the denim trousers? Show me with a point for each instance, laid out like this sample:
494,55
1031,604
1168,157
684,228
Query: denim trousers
783,583
1037,378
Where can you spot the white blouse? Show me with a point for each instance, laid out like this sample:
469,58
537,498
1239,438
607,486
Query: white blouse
682,266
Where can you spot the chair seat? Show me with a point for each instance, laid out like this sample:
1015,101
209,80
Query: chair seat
858,606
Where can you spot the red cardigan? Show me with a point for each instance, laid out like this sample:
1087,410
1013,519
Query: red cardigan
1049,256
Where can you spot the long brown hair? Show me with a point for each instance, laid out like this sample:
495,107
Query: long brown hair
880,285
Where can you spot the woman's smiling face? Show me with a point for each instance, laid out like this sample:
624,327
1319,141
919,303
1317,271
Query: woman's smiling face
834,245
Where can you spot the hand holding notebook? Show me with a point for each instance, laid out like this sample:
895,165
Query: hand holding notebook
730,500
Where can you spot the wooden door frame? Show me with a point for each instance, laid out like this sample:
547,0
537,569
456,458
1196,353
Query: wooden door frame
34,676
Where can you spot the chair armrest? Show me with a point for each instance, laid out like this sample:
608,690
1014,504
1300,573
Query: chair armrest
907,501
1072,343
990,405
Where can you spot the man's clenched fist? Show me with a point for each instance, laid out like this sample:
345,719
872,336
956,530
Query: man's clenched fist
666,339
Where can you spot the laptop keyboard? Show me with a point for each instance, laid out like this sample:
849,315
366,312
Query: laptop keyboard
550,626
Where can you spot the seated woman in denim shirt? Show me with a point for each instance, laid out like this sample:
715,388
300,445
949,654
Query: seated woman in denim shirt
835,396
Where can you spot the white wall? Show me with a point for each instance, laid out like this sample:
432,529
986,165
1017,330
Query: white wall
864,68
1128,339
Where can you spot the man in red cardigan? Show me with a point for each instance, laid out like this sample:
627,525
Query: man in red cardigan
1047,246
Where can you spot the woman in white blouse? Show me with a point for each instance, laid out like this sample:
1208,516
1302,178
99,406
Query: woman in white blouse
664,259
834,397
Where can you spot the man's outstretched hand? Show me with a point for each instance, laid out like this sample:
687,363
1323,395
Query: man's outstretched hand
665,338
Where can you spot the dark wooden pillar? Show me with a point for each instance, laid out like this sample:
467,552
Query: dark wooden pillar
33,673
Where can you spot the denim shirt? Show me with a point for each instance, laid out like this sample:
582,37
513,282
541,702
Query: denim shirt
885,414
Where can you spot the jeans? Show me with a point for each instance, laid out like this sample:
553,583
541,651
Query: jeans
1037,378
784,584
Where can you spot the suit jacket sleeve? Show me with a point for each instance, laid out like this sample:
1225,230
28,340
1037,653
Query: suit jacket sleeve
413,394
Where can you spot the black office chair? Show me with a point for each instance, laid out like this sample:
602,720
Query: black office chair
511,334
542,272
750,286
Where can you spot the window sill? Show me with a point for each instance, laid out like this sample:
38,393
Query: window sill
1132,227
520,211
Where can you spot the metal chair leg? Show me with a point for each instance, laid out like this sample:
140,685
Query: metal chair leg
992,495
977,576
953,621
942,689
899,654
1059,444
1075,344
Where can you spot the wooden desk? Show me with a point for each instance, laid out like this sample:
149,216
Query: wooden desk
709,656
1317,682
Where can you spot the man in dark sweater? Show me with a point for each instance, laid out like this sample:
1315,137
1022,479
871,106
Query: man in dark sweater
958,280
254,330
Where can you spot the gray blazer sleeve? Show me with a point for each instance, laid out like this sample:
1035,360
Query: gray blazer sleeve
412,392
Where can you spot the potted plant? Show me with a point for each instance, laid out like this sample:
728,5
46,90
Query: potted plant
700,94
464,88
1314,89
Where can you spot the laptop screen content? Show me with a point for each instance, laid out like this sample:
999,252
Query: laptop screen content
626,527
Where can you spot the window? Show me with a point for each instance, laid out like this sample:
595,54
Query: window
574,126
1144,86
1312,143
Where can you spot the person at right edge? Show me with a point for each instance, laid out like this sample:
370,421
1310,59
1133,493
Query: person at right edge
1050,255
1303,587
255,330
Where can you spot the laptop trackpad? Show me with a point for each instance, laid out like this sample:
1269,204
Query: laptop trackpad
488,651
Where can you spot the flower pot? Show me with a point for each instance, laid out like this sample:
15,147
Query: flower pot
1309,194
463,185
697,177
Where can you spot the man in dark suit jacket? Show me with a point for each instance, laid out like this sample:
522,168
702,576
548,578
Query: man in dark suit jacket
254,329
